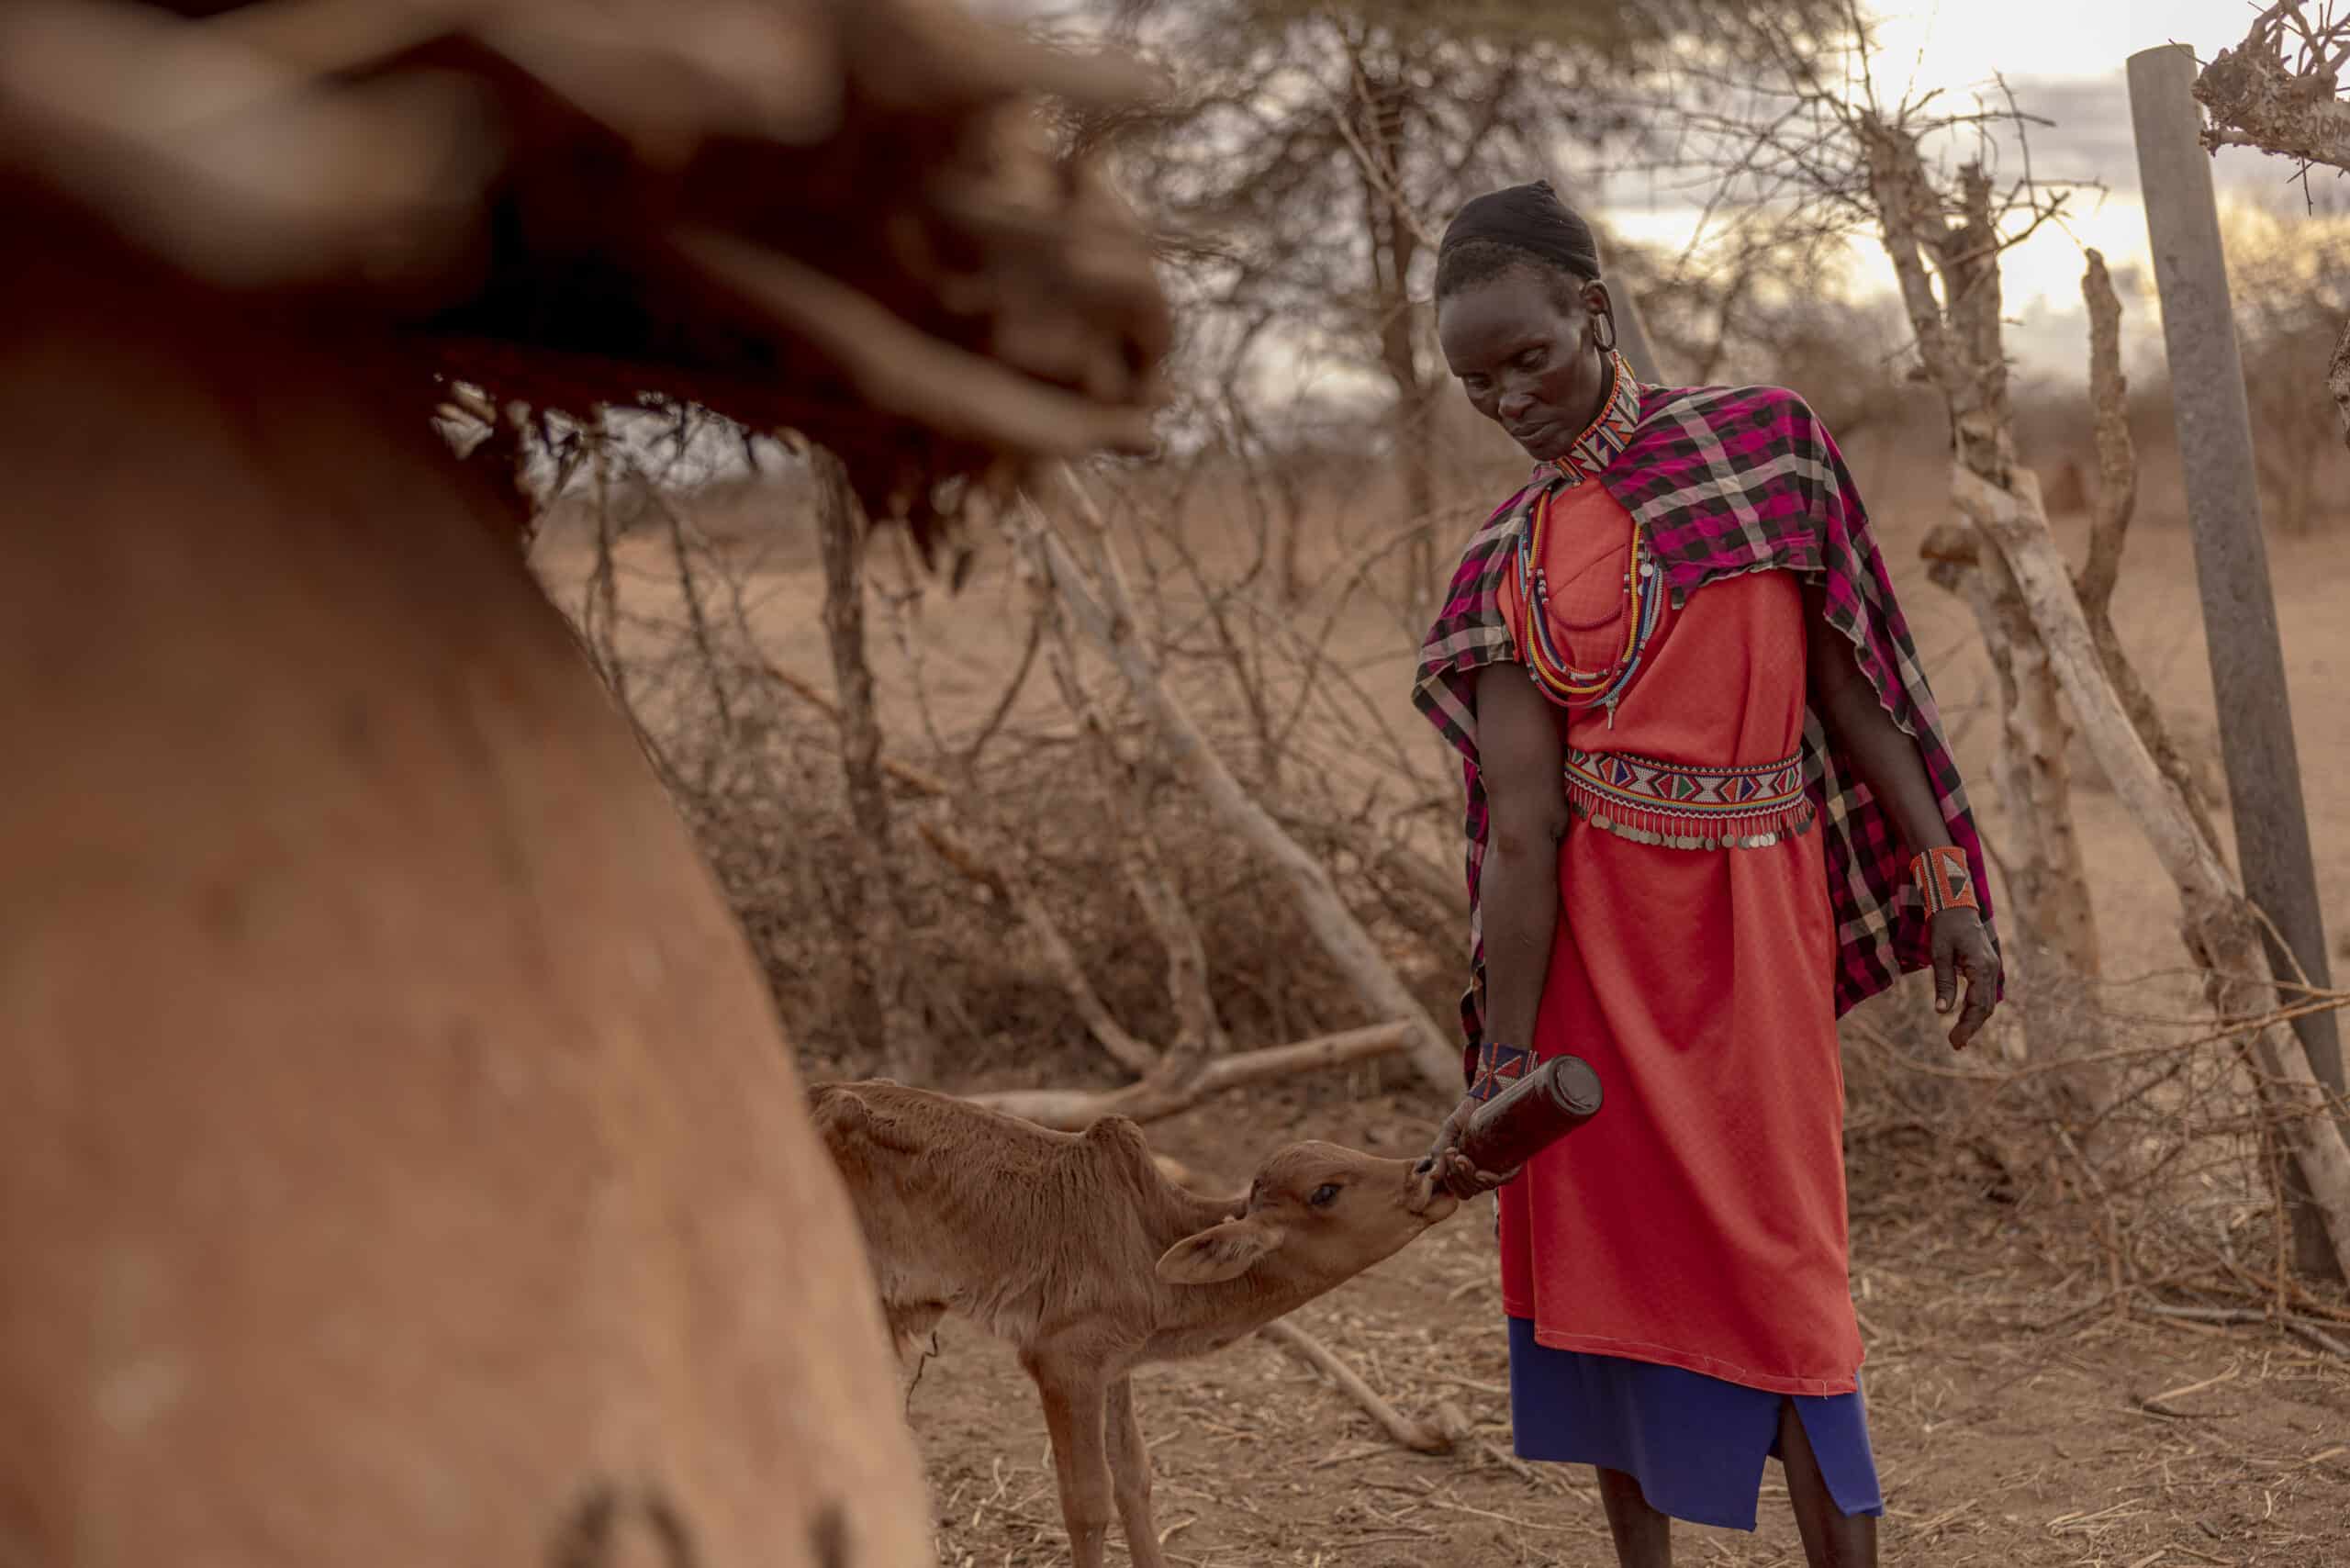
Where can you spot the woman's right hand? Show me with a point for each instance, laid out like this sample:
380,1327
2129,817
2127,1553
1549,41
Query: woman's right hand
1444,1167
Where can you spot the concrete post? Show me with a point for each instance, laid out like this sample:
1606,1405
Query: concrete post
2230,558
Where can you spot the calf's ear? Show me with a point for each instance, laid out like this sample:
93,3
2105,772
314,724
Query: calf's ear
1220,1252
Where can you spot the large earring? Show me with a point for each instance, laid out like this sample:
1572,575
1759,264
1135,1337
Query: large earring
1607,319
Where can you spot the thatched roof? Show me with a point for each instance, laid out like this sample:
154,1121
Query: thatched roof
837,215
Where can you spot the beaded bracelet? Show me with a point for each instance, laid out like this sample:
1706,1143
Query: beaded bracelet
1498,1067
1943,877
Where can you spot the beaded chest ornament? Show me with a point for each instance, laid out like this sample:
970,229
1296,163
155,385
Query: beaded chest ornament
1546,662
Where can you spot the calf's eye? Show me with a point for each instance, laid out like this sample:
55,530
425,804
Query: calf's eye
1322,1197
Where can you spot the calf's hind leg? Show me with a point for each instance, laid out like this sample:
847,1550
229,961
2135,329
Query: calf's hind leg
1075,1404
1130,1477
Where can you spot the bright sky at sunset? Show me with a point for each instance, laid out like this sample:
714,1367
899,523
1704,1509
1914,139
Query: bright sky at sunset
2064,59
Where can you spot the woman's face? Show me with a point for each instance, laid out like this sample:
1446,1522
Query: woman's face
1524,350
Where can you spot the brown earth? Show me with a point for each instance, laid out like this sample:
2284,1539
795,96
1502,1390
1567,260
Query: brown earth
1997,1442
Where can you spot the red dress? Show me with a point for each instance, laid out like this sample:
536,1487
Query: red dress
1699,1220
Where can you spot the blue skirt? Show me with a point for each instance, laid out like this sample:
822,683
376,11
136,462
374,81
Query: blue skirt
1694,1443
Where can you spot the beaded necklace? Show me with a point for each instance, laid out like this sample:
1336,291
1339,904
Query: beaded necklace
1546,661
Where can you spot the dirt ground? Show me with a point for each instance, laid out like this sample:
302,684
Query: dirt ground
1997,1441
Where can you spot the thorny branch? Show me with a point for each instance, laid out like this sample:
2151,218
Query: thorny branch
2280,91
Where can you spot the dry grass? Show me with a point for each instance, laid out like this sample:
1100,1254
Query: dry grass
2006,1434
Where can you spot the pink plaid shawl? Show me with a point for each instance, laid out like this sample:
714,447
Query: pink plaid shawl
1726,480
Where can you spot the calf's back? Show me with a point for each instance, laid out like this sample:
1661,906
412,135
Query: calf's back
1023,1229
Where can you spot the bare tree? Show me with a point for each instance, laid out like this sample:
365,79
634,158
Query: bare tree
1959,235
1337,137
1789,325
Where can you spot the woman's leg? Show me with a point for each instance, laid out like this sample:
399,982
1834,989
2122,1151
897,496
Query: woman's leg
1832,1538
1643,1535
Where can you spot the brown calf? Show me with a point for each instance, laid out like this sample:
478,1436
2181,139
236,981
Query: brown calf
1076,1248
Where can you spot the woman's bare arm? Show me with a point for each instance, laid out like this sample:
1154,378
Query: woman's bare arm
1521,760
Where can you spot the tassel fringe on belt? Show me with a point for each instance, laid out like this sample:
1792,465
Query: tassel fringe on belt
1680,806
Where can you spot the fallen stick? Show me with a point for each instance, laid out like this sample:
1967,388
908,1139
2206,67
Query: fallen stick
2300,1327
2318,1337
2206,1313
1072,1110
1420,1436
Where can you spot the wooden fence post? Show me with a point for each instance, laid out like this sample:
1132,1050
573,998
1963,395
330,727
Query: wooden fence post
2230,558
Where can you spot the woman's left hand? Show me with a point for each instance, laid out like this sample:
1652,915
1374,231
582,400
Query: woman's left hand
1961,947
1445,1169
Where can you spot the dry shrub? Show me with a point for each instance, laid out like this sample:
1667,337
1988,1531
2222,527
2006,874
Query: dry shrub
1003,1019
682,621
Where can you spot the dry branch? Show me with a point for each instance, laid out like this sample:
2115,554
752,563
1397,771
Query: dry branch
1959,339
2258,98
1109,621
2116,500
905,773
2117,458
1420,1436
887,1029
2221,928
1051,946
1198,1034
2300,1327
1439,886
2291,109
1164,1095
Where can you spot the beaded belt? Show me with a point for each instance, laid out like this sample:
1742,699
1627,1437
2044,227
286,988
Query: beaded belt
1684,807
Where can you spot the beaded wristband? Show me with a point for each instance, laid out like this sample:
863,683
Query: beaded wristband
1943,876
1498,1067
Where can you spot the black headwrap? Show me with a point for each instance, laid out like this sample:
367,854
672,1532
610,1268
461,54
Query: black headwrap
1530,219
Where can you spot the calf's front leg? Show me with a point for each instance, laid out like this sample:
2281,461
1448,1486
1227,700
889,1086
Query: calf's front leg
1075,1403
1130,1476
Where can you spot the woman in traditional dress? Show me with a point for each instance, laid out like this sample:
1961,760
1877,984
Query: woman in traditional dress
1710,807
